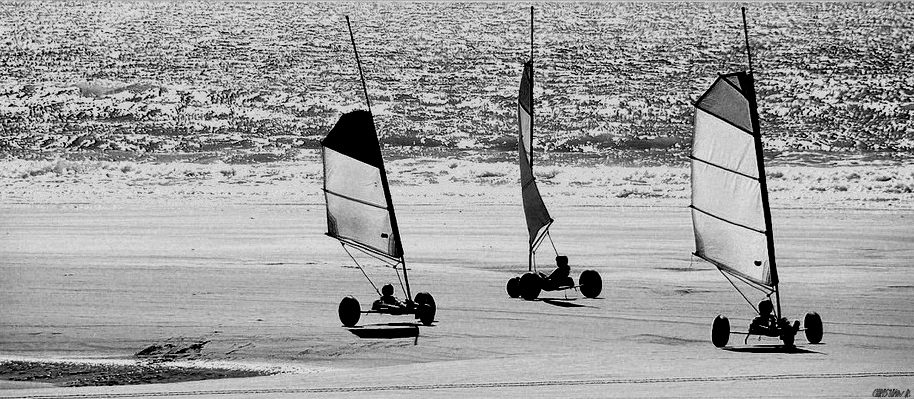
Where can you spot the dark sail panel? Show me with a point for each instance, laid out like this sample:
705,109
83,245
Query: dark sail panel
355,186
538,219
726,101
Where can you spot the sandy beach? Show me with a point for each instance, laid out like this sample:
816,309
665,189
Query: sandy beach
260,283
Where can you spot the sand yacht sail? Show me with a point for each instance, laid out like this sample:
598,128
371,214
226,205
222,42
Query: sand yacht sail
731,216
360,212
537,216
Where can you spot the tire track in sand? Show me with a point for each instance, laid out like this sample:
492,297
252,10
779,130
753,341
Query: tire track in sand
507,384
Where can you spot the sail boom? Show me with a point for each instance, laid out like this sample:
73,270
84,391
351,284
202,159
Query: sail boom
740,276
365,248
694,158
727,221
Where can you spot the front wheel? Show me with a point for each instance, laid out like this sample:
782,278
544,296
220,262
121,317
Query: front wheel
513,287
349,311
425,308
720,331
591,283
813,325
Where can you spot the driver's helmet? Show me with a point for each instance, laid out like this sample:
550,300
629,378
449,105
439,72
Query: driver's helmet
765,307
561,260
387,290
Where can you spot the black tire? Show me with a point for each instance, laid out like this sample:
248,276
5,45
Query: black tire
350,311
813,325
425,308
591,283
720,331
513,287
530,286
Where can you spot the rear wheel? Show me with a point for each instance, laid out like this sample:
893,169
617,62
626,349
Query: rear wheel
530,286
720,331
591,283
513,287
349,311
425,308
813,325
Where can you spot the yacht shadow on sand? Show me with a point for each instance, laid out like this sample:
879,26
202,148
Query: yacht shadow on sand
386,331
770,349
563,302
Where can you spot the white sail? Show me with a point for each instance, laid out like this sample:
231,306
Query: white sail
729,209
359,209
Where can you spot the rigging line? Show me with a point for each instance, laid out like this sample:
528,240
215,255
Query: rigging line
552,242
371,252
740,292
384,260
360,268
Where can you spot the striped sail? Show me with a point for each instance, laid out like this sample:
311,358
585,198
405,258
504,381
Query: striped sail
359,209
538,220
729,206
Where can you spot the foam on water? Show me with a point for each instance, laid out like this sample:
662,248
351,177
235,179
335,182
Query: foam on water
461,181
612,79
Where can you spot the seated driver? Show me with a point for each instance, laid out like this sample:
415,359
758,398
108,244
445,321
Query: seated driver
559,277
765,320
387,298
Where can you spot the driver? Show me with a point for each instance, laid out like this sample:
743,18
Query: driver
559,277
561,270
388,298
765,320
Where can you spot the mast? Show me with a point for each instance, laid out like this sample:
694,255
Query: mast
383,171
530,250
531,33
762,179
359,64
746,34
531,88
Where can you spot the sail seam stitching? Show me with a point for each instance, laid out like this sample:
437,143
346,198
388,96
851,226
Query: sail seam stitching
725,220
744,130
692,157
355,199
738,90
